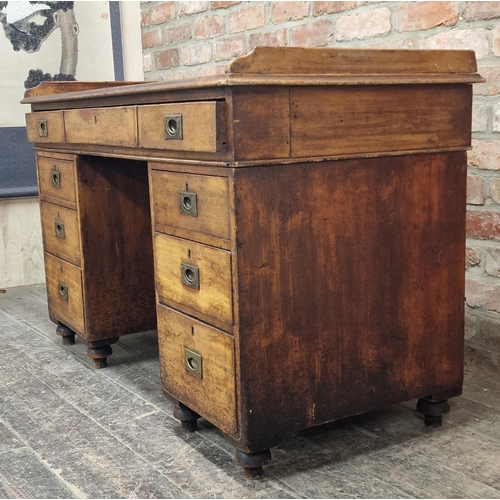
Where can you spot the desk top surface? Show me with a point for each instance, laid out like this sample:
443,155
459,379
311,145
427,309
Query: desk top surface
293,66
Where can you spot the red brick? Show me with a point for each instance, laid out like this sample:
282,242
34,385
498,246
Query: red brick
398,43
313,34
147,62
228,48
492,84
179,33
180,74
199,53
475,190
483,225
489,330
222,5
144,18
492,262
479,117
247,19
364,25
470,326
209,27
473,39
478,11
188,7
321,8
495,190
163,13
288,11
416,16
471,258
211,71
151,39
484,154
482,294
495,41
269,39
166,59
496,118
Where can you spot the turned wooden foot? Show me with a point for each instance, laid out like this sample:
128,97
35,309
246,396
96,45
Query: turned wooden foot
187,417
99,351
67,335
433,411
253,462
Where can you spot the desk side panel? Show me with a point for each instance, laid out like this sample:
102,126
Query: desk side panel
117,254
351,288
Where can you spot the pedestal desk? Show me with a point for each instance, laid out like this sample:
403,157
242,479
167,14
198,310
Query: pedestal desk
304,215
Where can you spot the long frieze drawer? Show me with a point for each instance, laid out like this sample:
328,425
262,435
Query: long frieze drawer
197,367
192,126
370,119
45,127
61,235
104,126
194,276
57,178
197,203
64,292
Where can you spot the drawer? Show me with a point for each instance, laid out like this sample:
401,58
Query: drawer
191,126
45,127
197,367
195,203
57,179
104,126
204,286
61,234
64,292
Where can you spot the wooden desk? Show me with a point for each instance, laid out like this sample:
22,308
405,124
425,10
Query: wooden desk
308,221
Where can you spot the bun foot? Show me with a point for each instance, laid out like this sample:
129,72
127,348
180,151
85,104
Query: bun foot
253,462
67,335
433,411
187,417
99,355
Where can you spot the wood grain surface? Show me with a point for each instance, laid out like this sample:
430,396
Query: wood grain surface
351,287
71,310
214,394
65,166
67,248
214,298
212,203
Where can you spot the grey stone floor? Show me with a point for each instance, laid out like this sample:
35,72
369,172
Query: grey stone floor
69,431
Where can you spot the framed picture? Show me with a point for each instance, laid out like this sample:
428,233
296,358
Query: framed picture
44,41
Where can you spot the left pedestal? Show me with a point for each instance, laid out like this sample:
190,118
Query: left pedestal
98,254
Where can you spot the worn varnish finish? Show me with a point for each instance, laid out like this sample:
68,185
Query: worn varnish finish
327,243
368,279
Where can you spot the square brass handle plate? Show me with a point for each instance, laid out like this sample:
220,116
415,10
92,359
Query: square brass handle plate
193,362
173,126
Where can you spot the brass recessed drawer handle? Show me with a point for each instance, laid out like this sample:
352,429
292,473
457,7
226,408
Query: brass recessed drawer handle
55,179
59,229
173,126
188,203
193,362
43,130
62,290
190,276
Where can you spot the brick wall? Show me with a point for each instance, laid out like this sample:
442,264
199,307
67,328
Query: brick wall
194,39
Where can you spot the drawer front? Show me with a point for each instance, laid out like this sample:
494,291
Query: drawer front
64,292
197,203
45,127
197,367
105,126
206,269
57,179
61,235
192,126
